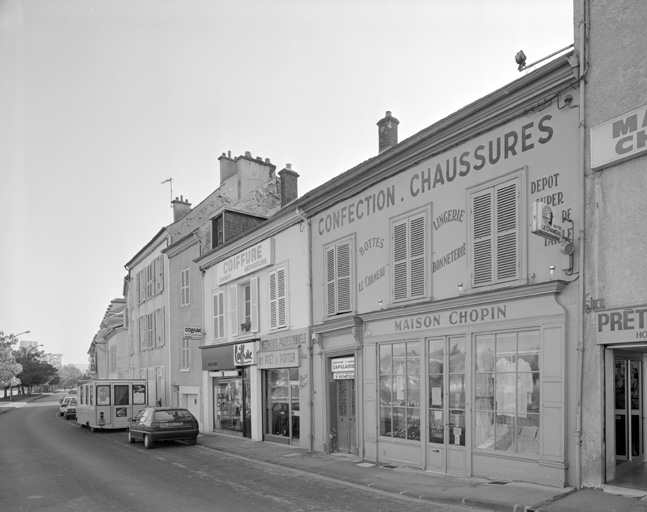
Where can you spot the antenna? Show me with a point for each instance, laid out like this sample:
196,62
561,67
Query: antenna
170,180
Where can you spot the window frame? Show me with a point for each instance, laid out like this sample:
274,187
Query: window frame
185,356
408,265
237,303
498,269
185,287
218,230
339,288
219,331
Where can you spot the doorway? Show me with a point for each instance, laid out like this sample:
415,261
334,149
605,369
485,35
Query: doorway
343,436
628,407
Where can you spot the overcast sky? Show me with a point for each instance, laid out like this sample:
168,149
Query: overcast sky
102,100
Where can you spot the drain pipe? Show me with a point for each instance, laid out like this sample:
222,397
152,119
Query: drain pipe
583,68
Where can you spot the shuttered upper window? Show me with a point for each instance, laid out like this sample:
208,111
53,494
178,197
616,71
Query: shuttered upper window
338,278
219,315
409,257
278,298
495,233
184,287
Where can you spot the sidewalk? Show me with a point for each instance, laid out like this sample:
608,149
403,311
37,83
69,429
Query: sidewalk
478,493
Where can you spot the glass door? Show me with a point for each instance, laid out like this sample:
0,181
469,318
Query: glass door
628,411
447,420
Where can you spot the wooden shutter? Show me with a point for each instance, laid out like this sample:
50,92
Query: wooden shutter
141,286
159,274
400,260
331,299
159,327
507,247
417,251
343,278
482,239
281,298
219,315
233,309
142,332
253,291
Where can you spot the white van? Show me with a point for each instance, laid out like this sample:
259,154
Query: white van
109,403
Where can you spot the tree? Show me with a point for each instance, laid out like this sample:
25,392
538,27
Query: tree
34,371
9,367
69,376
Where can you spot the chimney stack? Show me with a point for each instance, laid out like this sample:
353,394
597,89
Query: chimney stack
227,167
180,208
388,131
289,187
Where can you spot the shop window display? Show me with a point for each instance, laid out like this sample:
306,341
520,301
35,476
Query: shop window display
400,390
507,392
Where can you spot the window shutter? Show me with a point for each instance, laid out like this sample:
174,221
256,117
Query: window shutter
330,282
218,316
141,286
253,290
142,332
273,299
343,278
417,243
507,257
159,327
282,298
482,239
400,261
233,312
159,274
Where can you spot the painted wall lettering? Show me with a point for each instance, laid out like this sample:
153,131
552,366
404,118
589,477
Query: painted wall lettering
449,258
371,243
457,317
447,217
371,278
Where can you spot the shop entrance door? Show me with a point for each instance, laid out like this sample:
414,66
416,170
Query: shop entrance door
447,420
344,437
628,412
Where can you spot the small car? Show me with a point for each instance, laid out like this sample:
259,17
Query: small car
63,404
154,424
70,410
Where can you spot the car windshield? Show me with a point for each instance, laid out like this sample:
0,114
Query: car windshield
172,415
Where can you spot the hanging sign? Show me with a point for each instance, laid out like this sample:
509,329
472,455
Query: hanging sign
542,222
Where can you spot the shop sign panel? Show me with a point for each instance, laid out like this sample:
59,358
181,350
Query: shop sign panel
627,325
288,358
620,139
193,332
342,368
244,354
245,262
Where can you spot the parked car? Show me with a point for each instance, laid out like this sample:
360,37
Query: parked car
70,410
64,403
163,424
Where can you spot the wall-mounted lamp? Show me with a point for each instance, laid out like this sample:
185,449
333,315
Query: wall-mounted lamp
460,288
520,59
380,303
552,271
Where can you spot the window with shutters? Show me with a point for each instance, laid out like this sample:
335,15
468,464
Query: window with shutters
278,298
409,256
150,280
184,287
339,277
151,329
495,217
219,315
244,313
186,354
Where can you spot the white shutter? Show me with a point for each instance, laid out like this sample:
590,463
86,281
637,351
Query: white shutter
159,274
400,260
253,291
159,327
507,253
331,296
218,316
343,278
482,239
282,298
273,278
142,332
233,309
417,244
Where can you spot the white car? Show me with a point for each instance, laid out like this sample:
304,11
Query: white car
64,403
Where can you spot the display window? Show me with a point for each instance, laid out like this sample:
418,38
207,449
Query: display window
282,406
507,398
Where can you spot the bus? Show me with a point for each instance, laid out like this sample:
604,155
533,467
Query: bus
109,403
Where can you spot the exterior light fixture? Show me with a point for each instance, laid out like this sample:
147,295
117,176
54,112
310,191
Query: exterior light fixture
552,271
520,59
460,288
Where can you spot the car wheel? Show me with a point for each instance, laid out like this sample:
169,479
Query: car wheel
148,442
192,441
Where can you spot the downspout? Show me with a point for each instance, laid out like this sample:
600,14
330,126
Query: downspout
583,68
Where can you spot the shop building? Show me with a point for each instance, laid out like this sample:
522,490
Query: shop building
445,294
611,37
256,359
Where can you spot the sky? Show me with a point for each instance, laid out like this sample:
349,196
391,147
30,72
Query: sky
103,100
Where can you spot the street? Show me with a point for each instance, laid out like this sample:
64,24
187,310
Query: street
49,464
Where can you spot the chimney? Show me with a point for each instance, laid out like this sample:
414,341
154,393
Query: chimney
227,167
289,188
388,131
180,208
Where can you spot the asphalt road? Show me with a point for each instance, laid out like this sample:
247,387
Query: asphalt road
49,464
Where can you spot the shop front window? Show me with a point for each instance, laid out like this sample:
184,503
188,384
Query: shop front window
229,406
400,390
282,403
507,392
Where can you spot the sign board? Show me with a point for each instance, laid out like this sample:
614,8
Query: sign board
627,325
244,354
193,332
287,358
342,368
542,222
619,139
245,262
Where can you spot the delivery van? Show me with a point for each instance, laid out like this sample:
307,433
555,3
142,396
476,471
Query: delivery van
109,403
